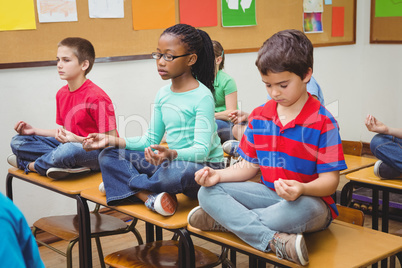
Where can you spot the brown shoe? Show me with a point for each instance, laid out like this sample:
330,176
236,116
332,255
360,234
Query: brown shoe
291,247
198,218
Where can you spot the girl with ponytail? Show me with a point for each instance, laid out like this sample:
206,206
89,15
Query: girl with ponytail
138,168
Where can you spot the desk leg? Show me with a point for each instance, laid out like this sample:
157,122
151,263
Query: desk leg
375,200
186,249
85,249
385,219
9,186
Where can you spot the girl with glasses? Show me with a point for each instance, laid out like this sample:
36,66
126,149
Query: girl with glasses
138,168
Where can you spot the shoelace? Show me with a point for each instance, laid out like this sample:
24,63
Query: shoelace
280,248
150,202
219,227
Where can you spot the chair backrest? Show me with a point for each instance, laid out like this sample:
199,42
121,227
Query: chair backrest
350,215
352,147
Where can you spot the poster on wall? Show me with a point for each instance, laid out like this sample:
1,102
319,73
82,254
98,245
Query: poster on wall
238,13
312,16
199,13
106,8
17,15
388,8
153,14
57,10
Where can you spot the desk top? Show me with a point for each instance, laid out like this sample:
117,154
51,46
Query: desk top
341,245
71,185
138,210
367,176
357,162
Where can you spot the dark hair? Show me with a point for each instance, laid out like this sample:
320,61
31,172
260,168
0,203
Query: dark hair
82,49
198,42
288,50
218,51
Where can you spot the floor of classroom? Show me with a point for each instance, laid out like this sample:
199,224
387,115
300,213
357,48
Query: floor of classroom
119,242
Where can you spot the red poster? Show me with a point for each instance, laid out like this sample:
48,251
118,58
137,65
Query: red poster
338,21
199,13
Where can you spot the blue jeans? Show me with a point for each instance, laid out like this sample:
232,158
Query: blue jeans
47,152
126,172
255,213
388,149
225,130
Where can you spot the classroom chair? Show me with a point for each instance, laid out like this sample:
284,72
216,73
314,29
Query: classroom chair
66,227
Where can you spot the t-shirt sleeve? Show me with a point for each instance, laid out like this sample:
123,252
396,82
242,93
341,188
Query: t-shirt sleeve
230,86
330,153
102,111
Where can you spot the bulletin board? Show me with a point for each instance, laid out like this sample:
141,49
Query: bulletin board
115,39
385,30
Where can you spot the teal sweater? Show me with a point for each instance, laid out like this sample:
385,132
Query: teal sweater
189,122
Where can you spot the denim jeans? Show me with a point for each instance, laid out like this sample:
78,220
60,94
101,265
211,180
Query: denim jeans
126,172
47,152
255,213
388,149
224,130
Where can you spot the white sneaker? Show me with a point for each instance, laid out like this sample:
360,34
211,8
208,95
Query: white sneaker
12,160
60,173
102,188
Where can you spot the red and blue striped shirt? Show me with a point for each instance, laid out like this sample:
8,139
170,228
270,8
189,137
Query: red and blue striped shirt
305,147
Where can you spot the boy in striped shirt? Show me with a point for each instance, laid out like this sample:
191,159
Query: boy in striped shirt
295,142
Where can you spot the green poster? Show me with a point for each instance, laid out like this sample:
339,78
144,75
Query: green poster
388,8
237,13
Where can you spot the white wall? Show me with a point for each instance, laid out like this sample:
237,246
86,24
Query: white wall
356,80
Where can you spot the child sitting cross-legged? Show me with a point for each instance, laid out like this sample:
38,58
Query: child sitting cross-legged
295,142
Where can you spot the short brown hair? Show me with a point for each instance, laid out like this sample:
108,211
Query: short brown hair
82,49
288,50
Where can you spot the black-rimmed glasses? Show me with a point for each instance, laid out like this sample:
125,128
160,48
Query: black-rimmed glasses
167,57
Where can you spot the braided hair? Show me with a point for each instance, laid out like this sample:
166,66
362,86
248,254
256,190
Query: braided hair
198,42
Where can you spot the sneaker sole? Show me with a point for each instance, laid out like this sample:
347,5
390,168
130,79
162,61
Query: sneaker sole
165,204
299,241
377,169
58,174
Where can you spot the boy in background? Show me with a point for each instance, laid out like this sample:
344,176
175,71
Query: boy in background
295,142
82,108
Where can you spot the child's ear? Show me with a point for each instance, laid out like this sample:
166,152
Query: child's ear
85,65
308,75
218,60
193,59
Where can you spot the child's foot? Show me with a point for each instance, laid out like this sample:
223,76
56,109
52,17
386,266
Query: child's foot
61,173
384,171
198,218
291,247
163,203
230,147
102,188
12,160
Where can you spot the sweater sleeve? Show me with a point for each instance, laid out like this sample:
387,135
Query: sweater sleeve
204,129
153,135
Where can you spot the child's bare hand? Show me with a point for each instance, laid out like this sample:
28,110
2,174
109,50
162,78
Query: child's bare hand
207,177
375,125
159,156
24,128
95,141
238,116
289,190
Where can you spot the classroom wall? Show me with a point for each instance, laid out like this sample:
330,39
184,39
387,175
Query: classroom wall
356,80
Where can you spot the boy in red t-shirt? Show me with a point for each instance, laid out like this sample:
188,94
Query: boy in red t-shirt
82,108
294,141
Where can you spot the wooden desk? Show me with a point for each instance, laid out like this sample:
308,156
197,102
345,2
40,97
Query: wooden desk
71,187
341,245
355,163
366,178
176,223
